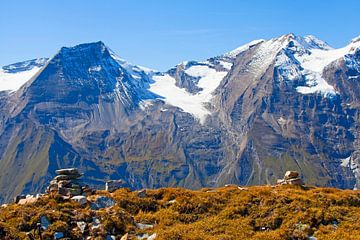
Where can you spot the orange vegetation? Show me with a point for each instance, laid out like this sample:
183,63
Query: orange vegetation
263,212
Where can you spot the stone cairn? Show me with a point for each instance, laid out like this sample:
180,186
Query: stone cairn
67,183
291,178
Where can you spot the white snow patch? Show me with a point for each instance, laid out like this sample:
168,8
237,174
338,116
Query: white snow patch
314,65
13,81
164,85
345,162
226,65
94,69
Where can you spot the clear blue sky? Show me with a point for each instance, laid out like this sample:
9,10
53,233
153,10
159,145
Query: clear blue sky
161,33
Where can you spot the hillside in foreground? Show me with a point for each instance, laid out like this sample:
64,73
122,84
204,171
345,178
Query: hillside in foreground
232,212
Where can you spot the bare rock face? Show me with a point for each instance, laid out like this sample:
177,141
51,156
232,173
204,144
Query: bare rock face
85,109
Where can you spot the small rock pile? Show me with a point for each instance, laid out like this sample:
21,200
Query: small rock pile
291,178
67,183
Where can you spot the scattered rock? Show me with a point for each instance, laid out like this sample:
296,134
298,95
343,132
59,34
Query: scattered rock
80,199
102,202
143,226
82,226
45,222
113,185
28,199
125,237
87,191
152,237
141,193
229,185
18,198
58,235
146,236
95,223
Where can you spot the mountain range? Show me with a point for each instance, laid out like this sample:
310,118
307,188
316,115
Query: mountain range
244,117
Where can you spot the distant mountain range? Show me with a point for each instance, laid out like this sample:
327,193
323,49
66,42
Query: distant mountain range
245,117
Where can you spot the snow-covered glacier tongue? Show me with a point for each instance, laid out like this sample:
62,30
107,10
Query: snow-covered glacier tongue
191,84
13,76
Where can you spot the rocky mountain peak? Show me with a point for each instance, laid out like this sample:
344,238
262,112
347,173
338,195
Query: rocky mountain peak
92,47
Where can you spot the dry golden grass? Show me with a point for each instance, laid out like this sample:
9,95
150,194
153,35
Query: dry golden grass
262,212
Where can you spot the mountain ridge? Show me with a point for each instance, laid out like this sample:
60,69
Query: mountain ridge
243,117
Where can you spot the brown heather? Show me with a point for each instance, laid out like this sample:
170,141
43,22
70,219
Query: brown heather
260,212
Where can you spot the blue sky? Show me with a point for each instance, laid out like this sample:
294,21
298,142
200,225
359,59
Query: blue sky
161,33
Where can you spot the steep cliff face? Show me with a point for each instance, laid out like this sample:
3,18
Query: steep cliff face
244,117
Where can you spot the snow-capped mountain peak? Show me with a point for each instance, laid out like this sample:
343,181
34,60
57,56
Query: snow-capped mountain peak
315,43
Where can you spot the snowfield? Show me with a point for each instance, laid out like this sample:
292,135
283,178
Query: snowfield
314,64
164,85
13,81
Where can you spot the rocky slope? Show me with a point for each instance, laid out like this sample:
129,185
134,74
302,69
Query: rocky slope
244,117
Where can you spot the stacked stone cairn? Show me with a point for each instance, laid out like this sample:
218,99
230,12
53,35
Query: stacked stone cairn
67,183
291,178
